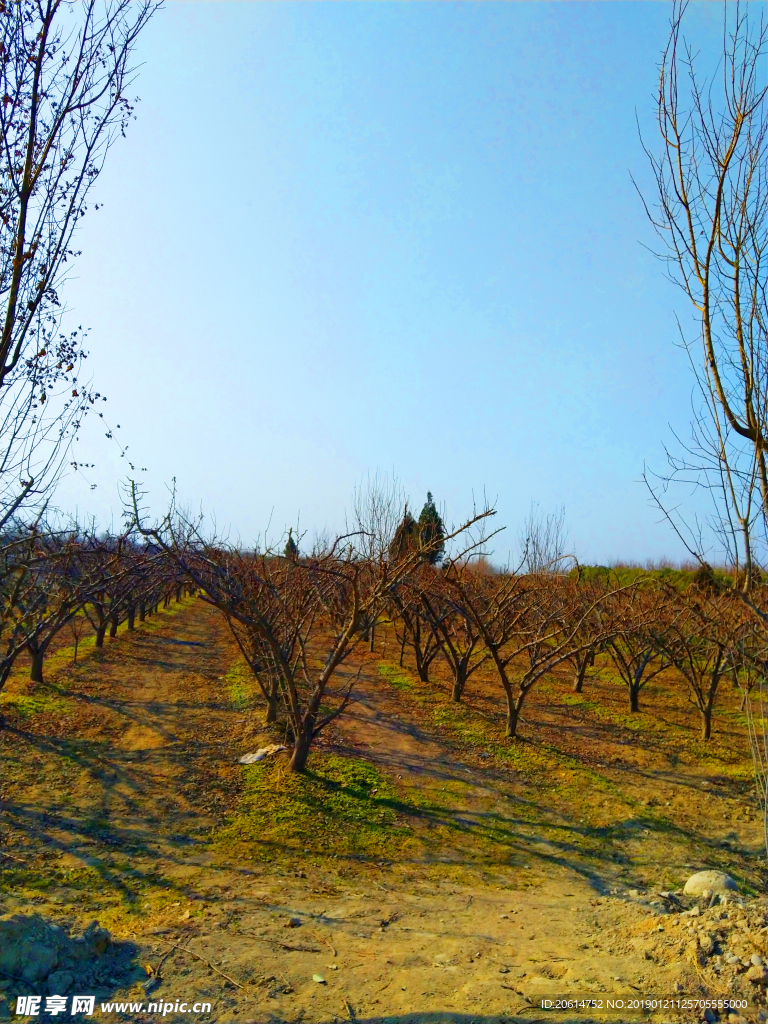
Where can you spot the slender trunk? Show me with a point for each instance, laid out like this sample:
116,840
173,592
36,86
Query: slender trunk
101,630
77,644
459,682
113,624
402,649
373,637
422,665
706,723
36,671
634,697
142,611
581,671
272,703
271,711
178,594
131,618
513,717
301,747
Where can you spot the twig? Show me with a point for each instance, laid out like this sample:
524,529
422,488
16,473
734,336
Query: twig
298,949
325,941
208,964
348,1008
156,972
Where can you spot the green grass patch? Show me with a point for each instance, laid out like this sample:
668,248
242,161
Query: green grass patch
27,705
626,575
398,677
634,720
243,688
477,731
330,810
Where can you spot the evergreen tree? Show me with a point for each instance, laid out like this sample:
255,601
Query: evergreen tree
431,531
406,536
291,548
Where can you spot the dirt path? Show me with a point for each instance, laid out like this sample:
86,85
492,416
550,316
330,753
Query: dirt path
136,768
143,739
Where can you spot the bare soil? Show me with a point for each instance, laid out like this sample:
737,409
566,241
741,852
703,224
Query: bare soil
498,879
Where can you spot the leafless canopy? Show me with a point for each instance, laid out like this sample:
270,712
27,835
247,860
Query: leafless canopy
64,72
711,214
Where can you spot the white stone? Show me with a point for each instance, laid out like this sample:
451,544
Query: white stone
715,881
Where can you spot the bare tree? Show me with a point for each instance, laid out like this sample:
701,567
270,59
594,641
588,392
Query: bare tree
54,599
543,541
711,213
376,512
410,621
697,639
453,626
64,72
18,560
530,625
377,508
638,619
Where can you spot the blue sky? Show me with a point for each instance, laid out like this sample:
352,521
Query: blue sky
403,236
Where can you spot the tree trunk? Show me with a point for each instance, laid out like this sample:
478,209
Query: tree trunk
142,612
6,664
402,649
422,666
706,724
101,630
131,618
36,671
634,698
373,637
581,671
178,594
113,624
513,717
271,711
459,682
301,746
272,703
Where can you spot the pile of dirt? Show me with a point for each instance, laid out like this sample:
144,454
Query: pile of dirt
722,937
41,957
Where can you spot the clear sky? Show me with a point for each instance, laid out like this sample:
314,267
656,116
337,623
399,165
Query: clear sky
350,236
